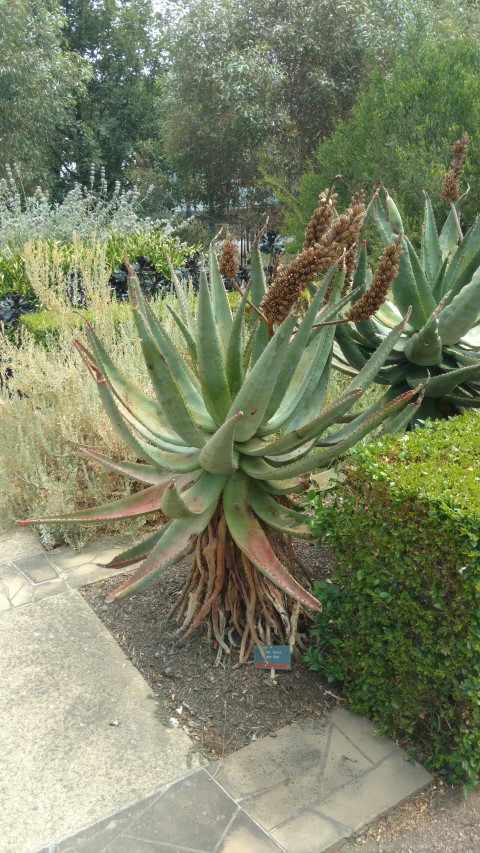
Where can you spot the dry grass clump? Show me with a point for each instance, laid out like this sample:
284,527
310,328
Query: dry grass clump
50,407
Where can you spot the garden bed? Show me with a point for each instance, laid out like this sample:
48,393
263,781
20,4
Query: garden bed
223,708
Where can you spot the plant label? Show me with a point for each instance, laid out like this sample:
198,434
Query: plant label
278,657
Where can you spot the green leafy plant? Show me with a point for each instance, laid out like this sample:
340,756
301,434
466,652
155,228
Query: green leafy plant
440,345
233,431
400,624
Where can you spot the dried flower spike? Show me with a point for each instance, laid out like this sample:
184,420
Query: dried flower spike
228,260
321,218
386,272
451,181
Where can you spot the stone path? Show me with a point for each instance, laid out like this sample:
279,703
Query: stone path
88,767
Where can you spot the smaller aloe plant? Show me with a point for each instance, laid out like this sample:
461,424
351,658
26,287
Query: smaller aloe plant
230,437
440,345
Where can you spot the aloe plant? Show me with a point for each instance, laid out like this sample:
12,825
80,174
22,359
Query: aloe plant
440,345
234,429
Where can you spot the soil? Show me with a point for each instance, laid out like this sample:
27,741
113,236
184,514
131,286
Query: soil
225,707
222,707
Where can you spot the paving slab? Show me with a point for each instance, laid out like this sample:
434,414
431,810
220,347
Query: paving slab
79,735
317,783
28,573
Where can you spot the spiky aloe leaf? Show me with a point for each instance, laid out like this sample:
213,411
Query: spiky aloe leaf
149,412
140,503
250,538
180,291
425,347
455,319
192,501
211,357
278,516
468,249
410,293
141,473
218,456
188,337
235,367
448,237
430,244
368,372
439,386
257,290
172,546
254,395
261,470
138,552
220,304
166,388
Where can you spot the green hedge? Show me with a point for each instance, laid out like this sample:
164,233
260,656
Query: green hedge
400,627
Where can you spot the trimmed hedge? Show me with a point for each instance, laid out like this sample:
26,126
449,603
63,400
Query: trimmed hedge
400,627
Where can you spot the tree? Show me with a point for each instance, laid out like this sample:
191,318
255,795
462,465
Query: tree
252,87
39,79
118,113
401,130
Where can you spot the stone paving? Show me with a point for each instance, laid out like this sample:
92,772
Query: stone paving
86,760
29,574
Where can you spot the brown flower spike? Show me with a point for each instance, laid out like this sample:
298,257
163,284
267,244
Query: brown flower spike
291,280
386,272
451,181
321,218
228,260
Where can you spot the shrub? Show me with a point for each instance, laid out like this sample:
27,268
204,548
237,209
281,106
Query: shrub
400,627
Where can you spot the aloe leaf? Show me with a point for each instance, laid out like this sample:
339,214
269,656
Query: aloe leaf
165,386
220,304
218,455
351,352
464,400
438,386
410,288
137,552
140,503
188,337
172,546
437,288
294,353
254,395
184,377
457,318
192,501
425,347
383,224
247,355
312,367
235,351
261,470
468,250
423,285
257,290
141,473
369,371
111,406
448,237
211,359
146,410
283,487
430,244
280,517
310,431
250,538
312,402
180,291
